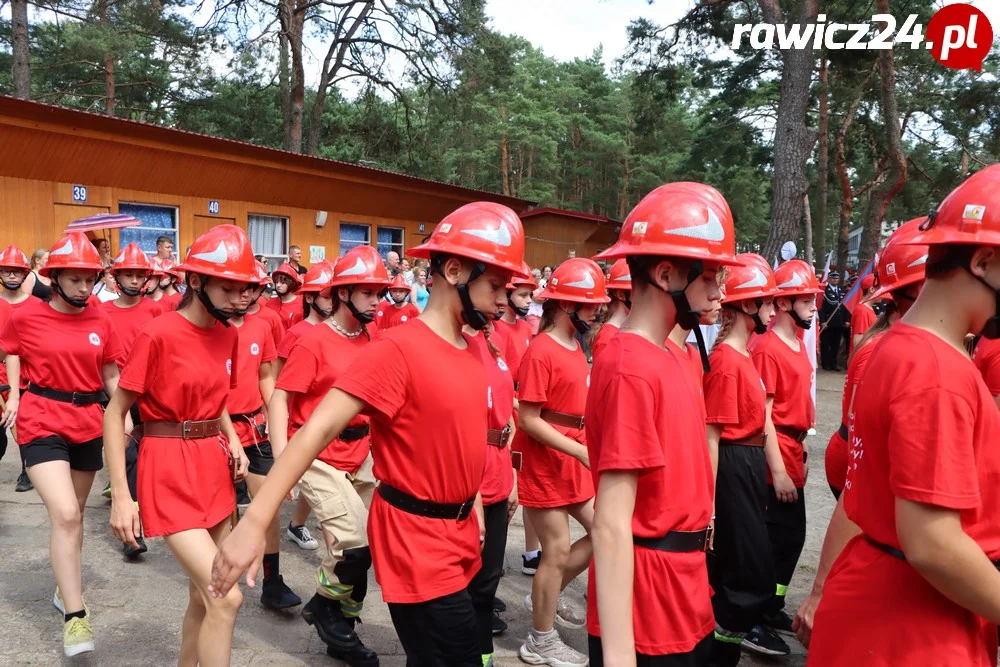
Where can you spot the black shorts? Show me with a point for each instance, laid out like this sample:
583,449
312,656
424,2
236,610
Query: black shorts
85,456
261,458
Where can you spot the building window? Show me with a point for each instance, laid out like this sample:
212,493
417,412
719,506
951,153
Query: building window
269,237
157,221
352,235
390,238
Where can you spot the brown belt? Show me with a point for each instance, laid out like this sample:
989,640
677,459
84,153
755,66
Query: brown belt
750,441
561,419
498,437
189,430
793,433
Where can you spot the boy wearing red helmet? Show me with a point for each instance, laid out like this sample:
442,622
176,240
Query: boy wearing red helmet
288,304
783,362
190,453
512,323
863,316
901,286
399,311
619,287
649,595
425,543
59,423
919,581
339,484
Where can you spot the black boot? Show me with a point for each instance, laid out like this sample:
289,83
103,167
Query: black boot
358,656
331,625
277,595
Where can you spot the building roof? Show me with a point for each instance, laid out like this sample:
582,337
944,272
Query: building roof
47,142
590,217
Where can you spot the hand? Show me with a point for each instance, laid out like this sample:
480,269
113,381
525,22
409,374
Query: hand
240,552
10,412
512,502
784,488
242,462
584,457
711,538
481,520
805,470
125,522
803,622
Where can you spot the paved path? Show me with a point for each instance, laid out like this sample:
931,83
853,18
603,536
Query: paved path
137,608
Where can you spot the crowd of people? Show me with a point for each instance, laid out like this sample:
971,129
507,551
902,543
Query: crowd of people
416,408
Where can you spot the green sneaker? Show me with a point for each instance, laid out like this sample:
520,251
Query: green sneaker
78,636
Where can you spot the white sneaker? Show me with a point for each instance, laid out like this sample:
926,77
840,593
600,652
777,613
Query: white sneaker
568,615
552,652
302,537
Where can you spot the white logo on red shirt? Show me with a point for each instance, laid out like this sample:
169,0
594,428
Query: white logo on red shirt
94,338
378,314
502,364
489,397
229,366
588,380
254,349
403,318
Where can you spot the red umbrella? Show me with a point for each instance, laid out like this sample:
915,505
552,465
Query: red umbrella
103,221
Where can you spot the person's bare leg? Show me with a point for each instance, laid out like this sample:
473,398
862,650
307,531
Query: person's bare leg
195,550
83,481
582,550
530,537
302,510
552,526
272,536
58,490
194,616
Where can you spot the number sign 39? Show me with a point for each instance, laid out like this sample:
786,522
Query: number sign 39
80,193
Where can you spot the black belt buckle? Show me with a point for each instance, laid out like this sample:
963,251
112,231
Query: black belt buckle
709,532
84,398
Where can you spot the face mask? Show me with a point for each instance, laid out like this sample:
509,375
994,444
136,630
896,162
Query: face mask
759,326
395,300
126,290
470,314
363,318
991,329
581,326
13,287
220,315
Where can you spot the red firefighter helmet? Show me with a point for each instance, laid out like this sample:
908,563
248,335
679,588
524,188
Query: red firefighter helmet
579,280
13,258
361,265
399,282
73,251
317,278
900,263
287,270
621,277
689,220
752,279
796,278
481,231
132,258
222,252
970,215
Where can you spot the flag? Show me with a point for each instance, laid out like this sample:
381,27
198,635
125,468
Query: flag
826,269
853,297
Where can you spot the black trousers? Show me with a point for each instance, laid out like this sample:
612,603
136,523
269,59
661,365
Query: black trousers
132,456
696,657
3,442
829,346
438,633
742,570
786,526
483,587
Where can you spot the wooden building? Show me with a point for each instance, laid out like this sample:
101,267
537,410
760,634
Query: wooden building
551,233
58,165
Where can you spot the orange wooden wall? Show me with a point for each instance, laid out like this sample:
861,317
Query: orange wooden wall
551,236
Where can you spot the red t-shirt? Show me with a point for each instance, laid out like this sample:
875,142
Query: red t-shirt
171,301
605,334
6,310
734,394
639,419
181,371
314,364
3,367
926,430
64,352
292,336
428,404
290,312
518,337
389,316
787,376
256,349
498,479
835,458
862,320
270,315
558,379
129,322
694,370
987,360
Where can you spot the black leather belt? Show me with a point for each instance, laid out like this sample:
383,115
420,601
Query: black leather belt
74,397
750,441
677,541
354,433
793,433
404,501
896,553
843,432
246,415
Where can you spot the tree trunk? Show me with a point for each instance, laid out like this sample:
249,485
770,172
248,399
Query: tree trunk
22,66
504,162
793,139
964,165
840,163
109,60
292,21
809,229
822,162
284,85
895,179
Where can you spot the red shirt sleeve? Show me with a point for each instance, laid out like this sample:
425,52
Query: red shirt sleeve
767,366
113,349
10,341
140,370
270,352
298,372
533,379
378,377
629,440
931,448
721,398
234,362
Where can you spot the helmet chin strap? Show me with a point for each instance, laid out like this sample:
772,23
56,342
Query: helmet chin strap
688,318
323,314
127,291
471,315
77,303
220,315
522,312
799,322
581,326
991,329
363,318
13,287
759,326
